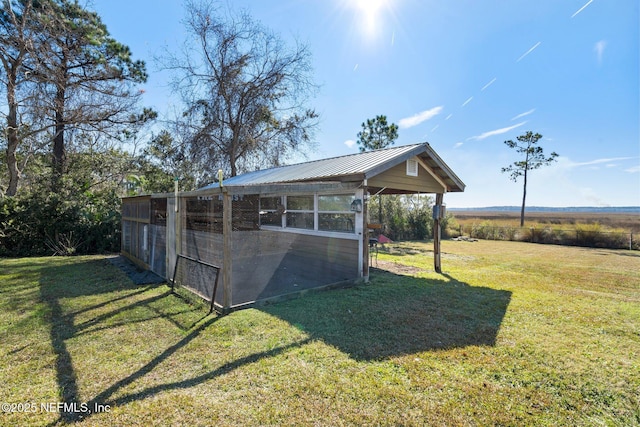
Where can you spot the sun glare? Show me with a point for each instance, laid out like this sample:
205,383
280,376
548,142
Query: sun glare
370,15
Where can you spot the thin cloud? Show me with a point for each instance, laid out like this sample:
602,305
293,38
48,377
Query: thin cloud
355,67
599,49
633,169
521,115
600,161
416,119
458,144
534,47
350,143
495,132
488,84
467,101
581,9
393,38
434,128
449,116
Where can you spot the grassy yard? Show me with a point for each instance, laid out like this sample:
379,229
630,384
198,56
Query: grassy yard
511,334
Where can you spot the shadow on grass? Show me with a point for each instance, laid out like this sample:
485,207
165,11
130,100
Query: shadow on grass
398,315
82,279
395,315
55,291
104,397
630,253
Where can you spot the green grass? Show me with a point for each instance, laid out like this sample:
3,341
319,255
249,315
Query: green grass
511,334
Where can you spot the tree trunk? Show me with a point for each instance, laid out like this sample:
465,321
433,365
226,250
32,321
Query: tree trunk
59,152
12,163
12,143
524,197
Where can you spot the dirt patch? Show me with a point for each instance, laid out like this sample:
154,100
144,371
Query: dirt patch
396,268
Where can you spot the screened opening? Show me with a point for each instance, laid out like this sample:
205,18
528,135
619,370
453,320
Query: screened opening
334,213
300,212
271,210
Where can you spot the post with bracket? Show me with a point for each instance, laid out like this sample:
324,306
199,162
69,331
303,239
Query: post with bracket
438,213
227,262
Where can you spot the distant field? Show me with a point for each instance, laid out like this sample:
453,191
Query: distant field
511,334
614,221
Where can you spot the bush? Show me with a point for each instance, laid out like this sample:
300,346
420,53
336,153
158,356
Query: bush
70,222
590,235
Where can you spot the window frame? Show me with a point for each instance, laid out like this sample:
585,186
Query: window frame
312,211
316,230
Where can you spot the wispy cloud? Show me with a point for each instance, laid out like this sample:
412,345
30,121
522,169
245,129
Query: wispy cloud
449,116
488,84
467,101
393,38
495,132
606,160
599,49
434,128
350,143
633,169
416,119
581,9
534,47
458,144
521,115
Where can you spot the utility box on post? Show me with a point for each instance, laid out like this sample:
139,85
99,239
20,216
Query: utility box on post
439,211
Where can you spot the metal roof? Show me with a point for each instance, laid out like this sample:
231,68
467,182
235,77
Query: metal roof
351,167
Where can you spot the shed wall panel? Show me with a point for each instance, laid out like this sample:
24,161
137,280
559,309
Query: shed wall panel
270,263
158,245
397,177
202,245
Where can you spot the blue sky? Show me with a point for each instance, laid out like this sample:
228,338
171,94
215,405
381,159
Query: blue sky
463,75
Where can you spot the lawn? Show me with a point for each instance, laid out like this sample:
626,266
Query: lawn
511,334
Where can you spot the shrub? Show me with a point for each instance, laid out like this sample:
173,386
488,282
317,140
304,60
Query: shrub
70,222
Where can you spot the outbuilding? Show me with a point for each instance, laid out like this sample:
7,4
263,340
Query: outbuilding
282,230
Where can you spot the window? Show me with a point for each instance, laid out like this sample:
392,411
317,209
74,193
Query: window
334,213
271,210
412,167
309,212
300,212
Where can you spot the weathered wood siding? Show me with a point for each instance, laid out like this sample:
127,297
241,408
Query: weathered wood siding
397,178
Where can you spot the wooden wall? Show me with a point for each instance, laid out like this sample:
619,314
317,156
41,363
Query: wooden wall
397,178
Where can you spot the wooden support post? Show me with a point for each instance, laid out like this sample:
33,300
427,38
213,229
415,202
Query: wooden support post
227,229
437,234
179,212
365,235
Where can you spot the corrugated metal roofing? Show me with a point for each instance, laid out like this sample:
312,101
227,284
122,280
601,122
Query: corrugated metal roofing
359,166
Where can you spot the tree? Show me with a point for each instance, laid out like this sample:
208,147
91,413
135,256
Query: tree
15,42
377,134
64,76
85,78
534,158
244,89
163,160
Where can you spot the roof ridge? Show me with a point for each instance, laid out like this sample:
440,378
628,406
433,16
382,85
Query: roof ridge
340,157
